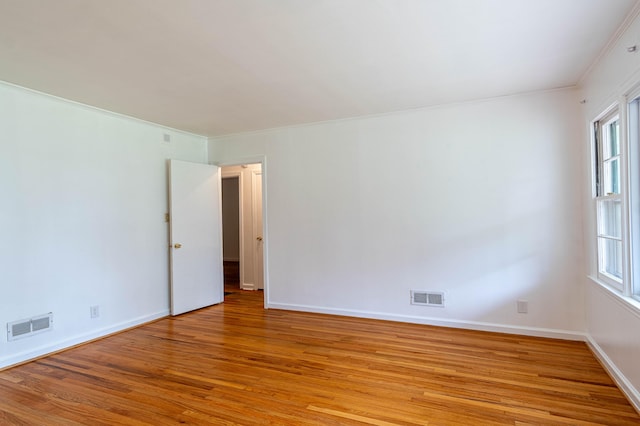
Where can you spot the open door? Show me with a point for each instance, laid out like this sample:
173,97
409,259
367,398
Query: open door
195,236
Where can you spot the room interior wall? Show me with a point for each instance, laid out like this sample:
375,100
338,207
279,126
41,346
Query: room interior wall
84,194
481,200
612,322
231,219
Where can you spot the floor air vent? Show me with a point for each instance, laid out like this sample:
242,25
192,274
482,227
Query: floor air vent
427,298
29,327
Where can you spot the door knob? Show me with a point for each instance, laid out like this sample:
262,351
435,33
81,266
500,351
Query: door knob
177,245
259,238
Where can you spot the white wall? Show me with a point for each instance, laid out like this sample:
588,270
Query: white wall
481,200
231,219
612,323
83,196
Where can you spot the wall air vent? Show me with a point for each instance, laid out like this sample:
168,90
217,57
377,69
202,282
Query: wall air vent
427,298
29,327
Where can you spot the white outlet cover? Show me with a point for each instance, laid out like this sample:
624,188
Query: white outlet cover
523,306
94,311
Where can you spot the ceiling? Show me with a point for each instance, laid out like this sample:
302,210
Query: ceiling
215,67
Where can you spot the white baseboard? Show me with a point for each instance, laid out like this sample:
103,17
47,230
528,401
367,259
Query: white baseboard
247,286
632,394
47,349
467,325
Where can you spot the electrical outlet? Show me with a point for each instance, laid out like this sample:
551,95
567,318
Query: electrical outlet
94,311
523,306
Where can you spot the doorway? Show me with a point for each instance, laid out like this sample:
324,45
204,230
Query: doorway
242,228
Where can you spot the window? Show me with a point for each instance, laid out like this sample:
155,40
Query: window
616,151
609,200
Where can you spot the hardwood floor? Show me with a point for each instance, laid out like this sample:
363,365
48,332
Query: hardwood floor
239,364
231,276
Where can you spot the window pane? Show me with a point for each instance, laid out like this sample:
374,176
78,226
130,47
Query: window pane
612,144
610,257
610,218
612,176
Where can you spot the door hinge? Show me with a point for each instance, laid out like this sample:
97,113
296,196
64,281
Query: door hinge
166,217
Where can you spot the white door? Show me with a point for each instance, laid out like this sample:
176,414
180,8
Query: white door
258,251
195,236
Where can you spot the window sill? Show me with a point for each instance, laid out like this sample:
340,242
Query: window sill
629,303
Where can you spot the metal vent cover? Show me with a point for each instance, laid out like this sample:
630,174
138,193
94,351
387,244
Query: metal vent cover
42,323
29,327
427,298
20,328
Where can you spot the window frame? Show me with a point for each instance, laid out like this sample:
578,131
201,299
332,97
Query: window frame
600,126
